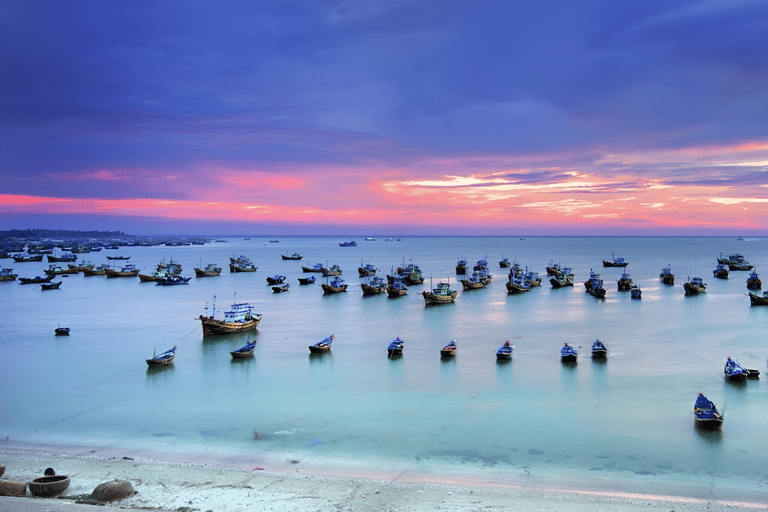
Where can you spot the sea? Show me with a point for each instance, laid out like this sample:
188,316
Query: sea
628,419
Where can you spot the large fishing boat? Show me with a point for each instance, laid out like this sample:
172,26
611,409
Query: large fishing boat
374,286
241,264
735,262
239,318
473,282
594,285
317,267
27,257
666,276
397,288
335,285
100,270
563,277
517,283
624,283
57,270
295,256
615,262
694,286
721,271
129,270
758,300
441,294
210,270
64,258
6,274
367,269
754,282
461,266
333,270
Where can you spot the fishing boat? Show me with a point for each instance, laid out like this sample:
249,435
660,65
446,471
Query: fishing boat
239,318
163,359
128,270
35,280
317,267
100,270
61,331
553,269
281,288
26,257
351,243
615,262
563,277
81,267
625,282
734,372
307,280
51,286
333,270
395,348
172,280
461,267
64,258
599,350
706,414
322,346
241,264
666,276
118,257
735,262
594,286
531,277
505,352
440,294
275,280
210,270
758,300
366,270
754,282
517,284
694,286
481,264
335,285
568,354
295,256
449,350
57,270
474,282
397,288
504,263
6,274
244,351
720,271
411,274
374,286
635,292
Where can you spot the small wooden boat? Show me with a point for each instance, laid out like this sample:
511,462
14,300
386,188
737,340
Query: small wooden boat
336,285
322,346
734,372
599,350
307,280
694,286
505,352
635,292
395,348
568,354
666,276
244,351
51,286
275,280
62,331
163,359
441,294
720,272
706,414
281,288
449,350
295,256
615,262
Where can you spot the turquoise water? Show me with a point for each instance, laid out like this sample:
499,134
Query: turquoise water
627,418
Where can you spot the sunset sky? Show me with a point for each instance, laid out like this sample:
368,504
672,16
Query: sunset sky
385,117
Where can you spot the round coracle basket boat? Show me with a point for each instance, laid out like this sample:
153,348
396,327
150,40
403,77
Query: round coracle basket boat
113,491
2,470
47,486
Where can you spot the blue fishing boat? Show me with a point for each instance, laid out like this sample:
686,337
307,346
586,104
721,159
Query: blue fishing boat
244,351
615,262
351,243
172,280
163,359
666,276
694,286
317,267
568,354
721,271
307,280
505,351
707,415
322,346
594,285
62,331
281,288
599,350
449,350
734,372
397,287
275,280
754,282
461,266
335,285
395,348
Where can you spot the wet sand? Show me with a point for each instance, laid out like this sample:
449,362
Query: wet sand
205,482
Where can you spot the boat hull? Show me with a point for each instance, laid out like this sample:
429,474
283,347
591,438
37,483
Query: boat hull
207,273
598,293
212,326
9,277
757,300
607,263
328,289
709,423
156,363
372,290
314,349
569,358
691,289
431,298
393,292
516,288
560,283
242,355
238,268
120,273
669,280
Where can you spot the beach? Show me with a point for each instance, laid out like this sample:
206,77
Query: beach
183,484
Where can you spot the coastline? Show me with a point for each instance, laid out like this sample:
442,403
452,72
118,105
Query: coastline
210,481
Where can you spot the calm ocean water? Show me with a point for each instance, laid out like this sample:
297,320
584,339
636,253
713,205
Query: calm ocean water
627,418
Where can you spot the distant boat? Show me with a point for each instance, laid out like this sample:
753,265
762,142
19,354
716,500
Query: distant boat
370,239
118,257
351,243
599,350
100,270
735,262
239,318
210,270
441,294
333,270
274,241
281,288
163,359
35,280
307,280
504,263
241,264
504,352
57,270
615,262
64,258
50,286
294,256
6,274
694,286
553,269
461,267
666,276
636,292
244,351
322,346
624,283
449,350
395,348
568,354
366,270
172,281
62,331
707,415
26,257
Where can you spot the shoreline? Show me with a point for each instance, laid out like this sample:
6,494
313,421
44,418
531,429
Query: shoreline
212,481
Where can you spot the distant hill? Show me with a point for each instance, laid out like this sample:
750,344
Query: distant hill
38,234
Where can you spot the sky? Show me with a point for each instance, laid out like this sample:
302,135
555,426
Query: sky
385,117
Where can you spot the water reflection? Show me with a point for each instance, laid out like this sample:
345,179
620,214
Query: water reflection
708,436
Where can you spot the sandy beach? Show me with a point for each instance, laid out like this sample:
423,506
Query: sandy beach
171,485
